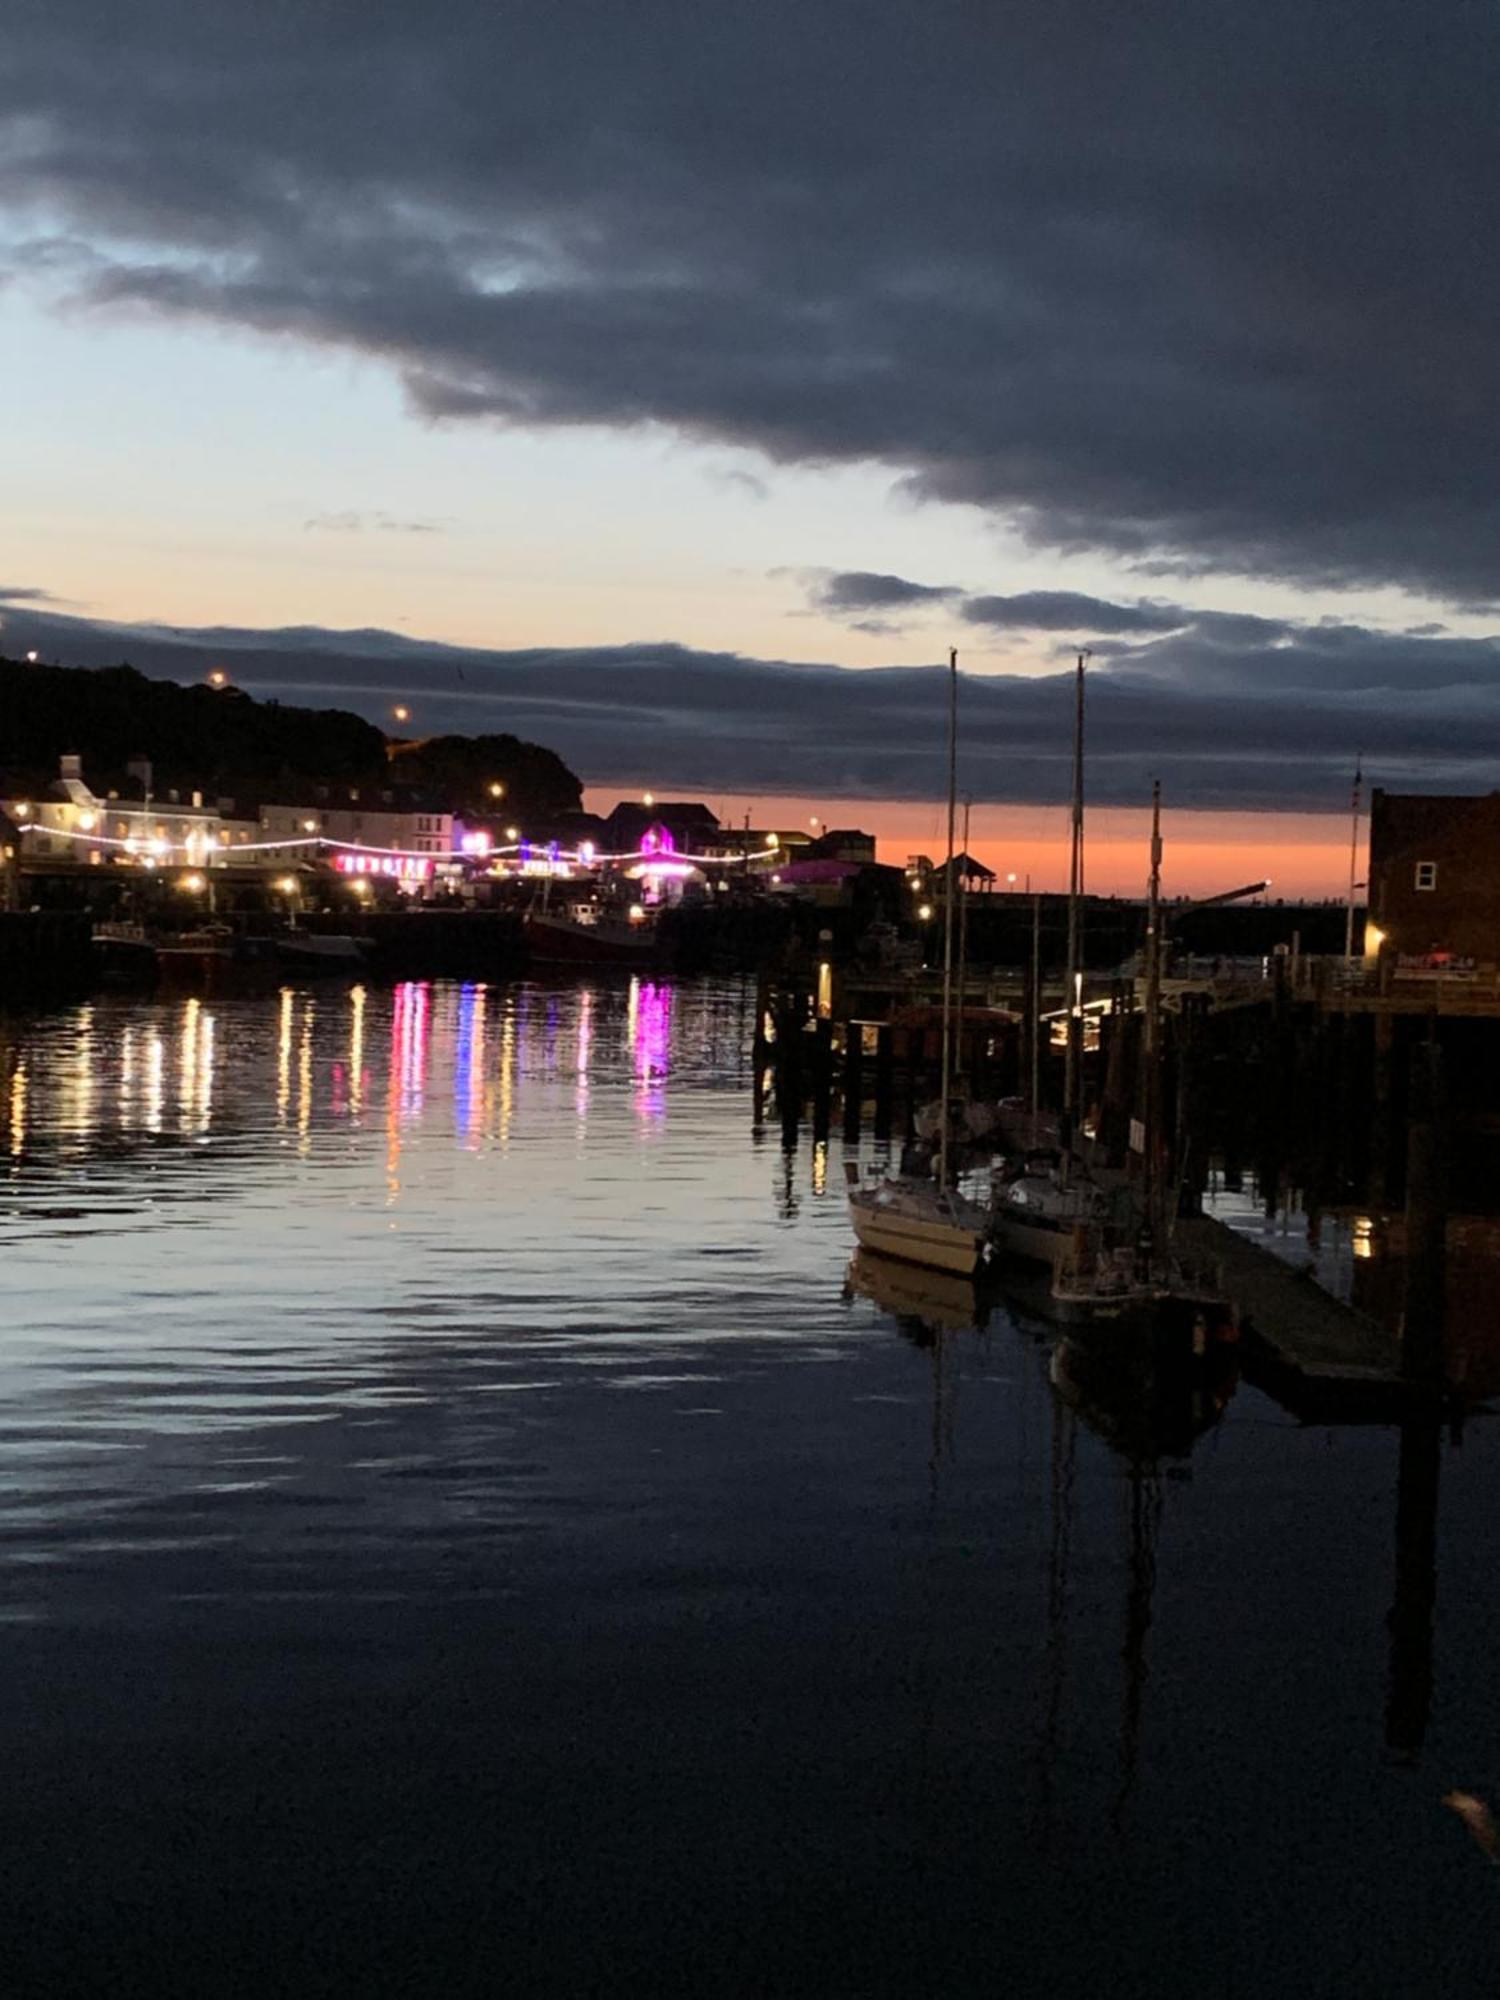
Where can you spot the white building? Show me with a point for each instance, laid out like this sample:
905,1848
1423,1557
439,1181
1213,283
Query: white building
375,826
74,823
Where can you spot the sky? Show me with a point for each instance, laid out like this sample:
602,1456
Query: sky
676,384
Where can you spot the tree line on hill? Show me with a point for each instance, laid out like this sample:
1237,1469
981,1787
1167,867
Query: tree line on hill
223,743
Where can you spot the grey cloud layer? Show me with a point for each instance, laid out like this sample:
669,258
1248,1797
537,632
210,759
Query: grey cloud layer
1202,286
1234,712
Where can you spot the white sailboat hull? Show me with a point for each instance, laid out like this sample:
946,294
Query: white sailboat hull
919,1229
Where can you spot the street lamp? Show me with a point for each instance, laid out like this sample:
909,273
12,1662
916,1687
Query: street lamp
218,678
401,712
497,790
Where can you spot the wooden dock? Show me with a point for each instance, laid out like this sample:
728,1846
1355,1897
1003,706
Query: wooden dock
1320,1358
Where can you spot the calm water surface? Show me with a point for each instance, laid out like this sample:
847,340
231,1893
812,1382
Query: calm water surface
461,1535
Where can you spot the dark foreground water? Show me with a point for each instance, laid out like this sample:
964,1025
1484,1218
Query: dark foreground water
460,1537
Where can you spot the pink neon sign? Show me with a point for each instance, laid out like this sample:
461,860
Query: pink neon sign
403,867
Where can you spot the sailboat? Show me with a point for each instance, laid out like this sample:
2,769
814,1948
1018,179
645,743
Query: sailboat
1143,1282
1046,1207
918,1219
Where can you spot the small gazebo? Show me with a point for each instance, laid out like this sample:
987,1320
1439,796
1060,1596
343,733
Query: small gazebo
972,876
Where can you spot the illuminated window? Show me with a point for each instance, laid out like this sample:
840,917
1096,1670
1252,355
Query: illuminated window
1426,874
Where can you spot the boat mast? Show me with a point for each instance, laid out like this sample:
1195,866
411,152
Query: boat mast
1073,1073
1034,1105
1354,804
1151,1039
963,942
943,1162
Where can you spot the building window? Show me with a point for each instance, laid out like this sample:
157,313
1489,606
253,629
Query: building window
1426,874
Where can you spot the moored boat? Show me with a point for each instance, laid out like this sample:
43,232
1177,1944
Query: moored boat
315,951
919,1221
574,937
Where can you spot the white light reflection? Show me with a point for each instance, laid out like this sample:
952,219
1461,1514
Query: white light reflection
507,1071
356,1050
78,1118
187,1058
154,1088
284,1055
305,1080
18,1091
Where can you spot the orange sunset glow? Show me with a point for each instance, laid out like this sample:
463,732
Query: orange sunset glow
1305,855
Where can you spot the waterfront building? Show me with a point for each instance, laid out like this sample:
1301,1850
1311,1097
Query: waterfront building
387,820
70,824
1434,880
842,843
693,827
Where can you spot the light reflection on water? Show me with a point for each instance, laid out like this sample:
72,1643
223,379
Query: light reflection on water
461,1364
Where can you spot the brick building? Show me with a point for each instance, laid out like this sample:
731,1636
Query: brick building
1434,878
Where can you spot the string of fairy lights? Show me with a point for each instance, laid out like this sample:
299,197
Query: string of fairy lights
202,850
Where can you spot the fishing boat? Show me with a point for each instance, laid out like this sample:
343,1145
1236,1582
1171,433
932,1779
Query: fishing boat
919,1218
586,933
317,952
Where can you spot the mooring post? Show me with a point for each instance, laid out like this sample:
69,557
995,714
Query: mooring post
1422,1356
822,1083
789,1072
884,1080
1382,1077
854,1037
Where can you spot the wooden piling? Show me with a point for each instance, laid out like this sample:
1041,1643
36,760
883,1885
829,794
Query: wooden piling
1422,1358
853,1086
822,1077
884,1080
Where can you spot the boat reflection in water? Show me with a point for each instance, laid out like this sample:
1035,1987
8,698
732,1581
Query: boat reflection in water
1142,1405
924,1302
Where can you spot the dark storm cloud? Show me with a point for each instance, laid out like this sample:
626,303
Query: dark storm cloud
869,590
1222,717
1205,287
1069,611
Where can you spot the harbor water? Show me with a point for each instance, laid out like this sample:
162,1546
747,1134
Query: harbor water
466,1531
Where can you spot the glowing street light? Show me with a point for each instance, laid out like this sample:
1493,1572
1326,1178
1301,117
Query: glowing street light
193,884
924,912
512,833
218,678
401,712
647,799
497,790
287,884
32,657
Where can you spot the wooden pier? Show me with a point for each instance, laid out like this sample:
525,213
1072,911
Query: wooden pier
1322,1359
